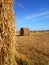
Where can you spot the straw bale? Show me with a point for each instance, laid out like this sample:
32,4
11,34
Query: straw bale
24,31
7,33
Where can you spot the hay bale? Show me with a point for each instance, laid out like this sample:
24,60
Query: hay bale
24,31
7,33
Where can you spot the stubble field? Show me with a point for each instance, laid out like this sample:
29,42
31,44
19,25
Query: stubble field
35,47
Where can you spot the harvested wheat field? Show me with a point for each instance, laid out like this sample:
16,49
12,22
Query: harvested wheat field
35,47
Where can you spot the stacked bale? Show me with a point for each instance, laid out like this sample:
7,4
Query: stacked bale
24,32
7,33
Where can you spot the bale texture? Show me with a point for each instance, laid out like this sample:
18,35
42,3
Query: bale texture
24,31
7,33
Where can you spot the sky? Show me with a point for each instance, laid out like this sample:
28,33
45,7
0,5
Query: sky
32,14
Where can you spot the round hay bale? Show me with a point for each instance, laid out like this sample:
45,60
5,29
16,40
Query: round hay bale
24,31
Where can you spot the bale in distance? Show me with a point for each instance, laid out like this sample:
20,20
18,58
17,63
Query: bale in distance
24,32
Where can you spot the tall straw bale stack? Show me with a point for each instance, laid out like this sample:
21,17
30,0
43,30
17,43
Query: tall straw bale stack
24,31
7,33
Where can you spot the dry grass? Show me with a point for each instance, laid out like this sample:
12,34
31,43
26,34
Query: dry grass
35,47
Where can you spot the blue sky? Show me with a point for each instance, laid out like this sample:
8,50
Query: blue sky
32,14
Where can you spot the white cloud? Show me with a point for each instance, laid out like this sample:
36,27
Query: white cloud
21,6
42,14
37,16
